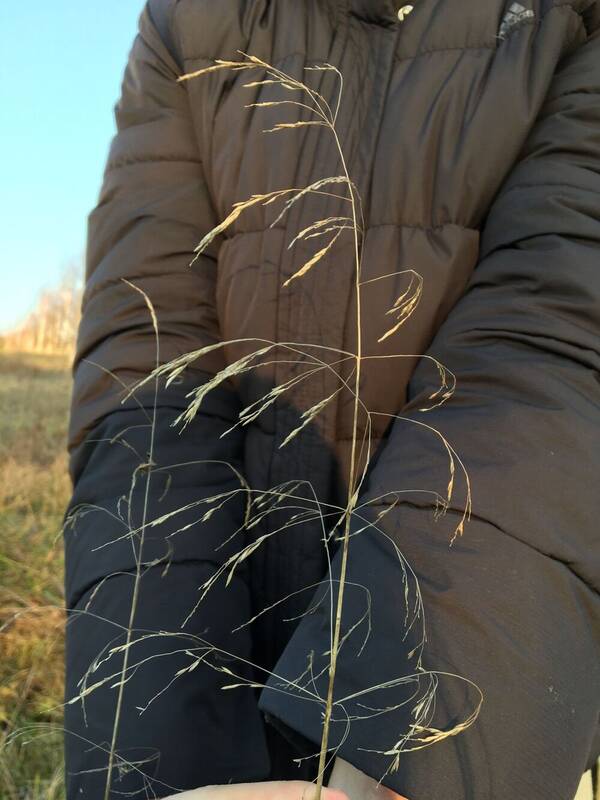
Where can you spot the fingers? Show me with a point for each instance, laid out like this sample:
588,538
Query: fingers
358,786
326,794
268,790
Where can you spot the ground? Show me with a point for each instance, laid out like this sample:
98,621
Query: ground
34,490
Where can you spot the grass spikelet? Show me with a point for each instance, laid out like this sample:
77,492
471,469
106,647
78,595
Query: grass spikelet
312,261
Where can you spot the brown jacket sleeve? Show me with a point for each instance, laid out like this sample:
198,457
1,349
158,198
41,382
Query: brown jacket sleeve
154,207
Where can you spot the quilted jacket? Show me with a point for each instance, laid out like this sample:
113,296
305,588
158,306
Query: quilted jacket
471,132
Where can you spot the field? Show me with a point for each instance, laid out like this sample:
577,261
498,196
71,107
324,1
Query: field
34,491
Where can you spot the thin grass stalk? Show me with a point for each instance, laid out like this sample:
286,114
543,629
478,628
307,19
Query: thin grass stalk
138,565
351,493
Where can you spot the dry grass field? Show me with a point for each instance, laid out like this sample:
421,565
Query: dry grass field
34,491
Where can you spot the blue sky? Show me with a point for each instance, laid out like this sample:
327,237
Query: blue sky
60,76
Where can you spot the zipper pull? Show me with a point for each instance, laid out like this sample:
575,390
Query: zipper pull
404,12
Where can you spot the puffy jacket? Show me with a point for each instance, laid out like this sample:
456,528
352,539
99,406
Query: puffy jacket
471,131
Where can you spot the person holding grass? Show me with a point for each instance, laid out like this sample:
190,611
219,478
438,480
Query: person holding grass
389,338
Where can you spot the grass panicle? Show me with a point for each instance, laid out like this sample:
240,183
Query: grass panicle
297,498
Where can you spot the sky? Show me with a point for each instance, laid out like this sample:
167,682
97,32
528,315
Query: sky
60,76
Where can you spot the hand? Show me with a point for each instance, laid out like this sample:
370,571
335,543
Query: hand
268,790
357,785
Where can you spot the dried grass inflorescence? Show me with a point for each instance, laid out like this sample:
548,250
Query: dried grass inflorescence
262,503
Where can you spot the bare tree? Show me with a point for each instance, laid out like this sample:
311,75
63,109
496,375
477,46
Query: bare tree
52,325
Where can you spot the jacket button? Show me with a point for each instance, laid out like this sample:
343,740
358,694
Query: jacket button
404,12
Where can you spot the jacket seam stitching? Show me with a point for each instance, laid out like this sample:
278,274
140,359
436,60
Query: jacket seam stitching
419,53
491,44
416,226
128,161
496,43
274,63
565,563
547,184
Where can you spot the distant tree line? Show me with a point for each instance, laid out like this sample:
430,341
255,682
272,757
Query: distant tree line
52,325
